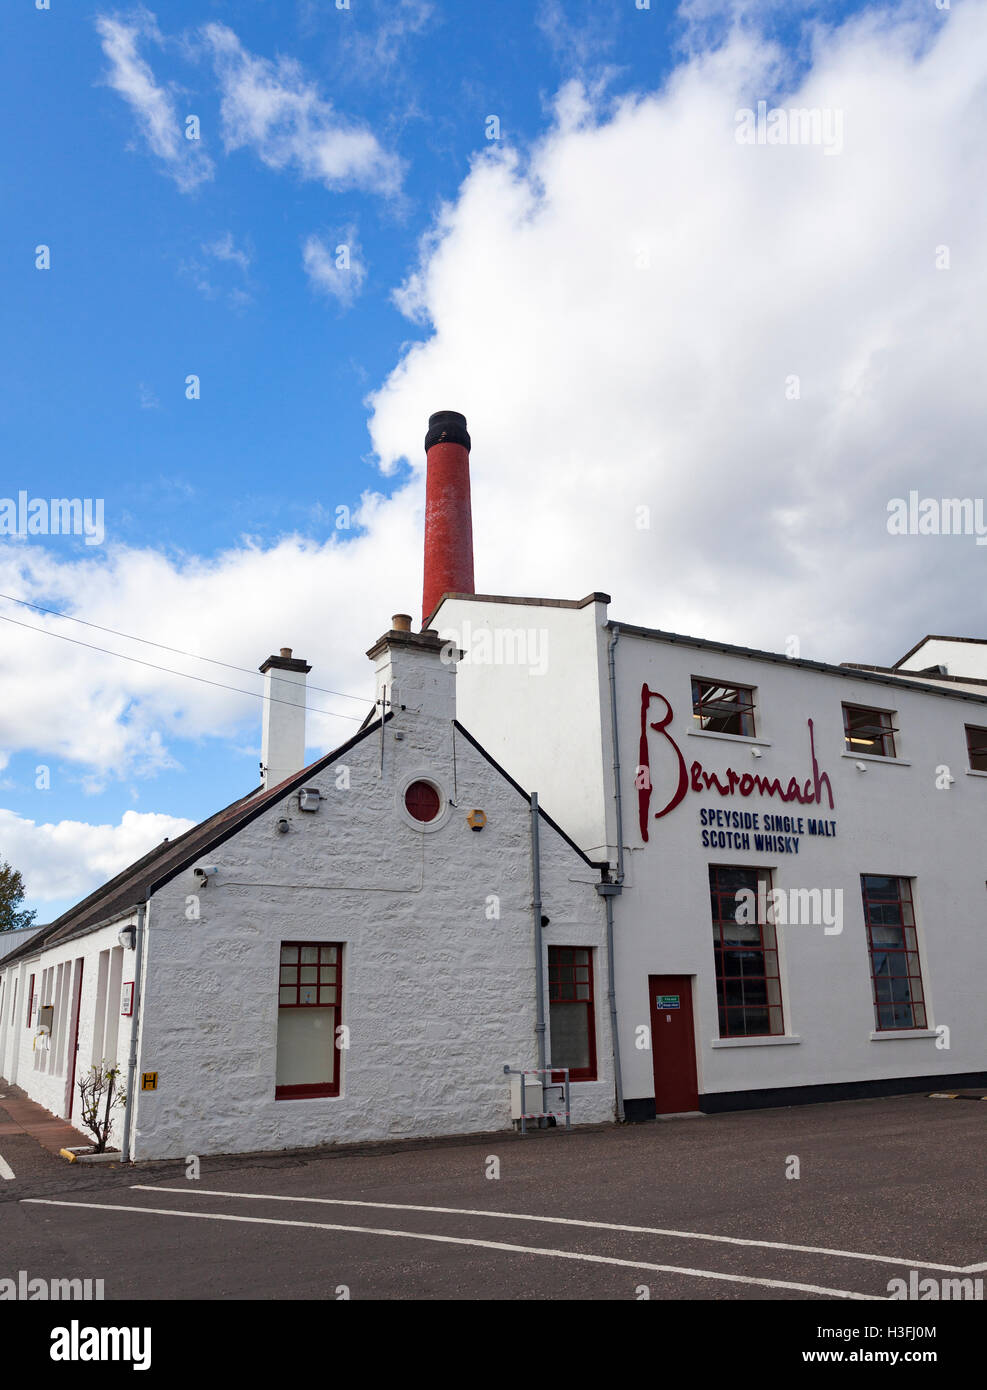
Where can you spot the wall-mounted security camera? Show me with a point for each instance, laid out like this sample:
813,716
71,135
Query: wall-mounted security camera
204,873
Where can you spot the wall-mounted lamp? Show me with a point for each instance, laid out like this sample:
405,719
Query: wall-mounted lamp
127,937
283,826
755,752
861,767
203,873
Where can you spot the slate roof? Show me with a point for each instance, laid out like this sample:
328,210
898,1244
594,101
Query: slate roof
135,884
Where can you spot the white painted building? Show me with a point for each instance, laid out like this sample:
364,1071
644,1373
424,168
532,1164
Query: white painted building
752,880
878,847
348,954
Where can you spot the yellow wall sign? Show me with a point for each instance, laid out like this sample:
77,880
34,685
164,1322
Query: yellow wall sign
149,1080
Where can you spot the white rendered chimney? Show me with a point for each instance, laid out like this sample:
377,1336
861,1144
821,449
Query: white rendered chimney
416,670
283,742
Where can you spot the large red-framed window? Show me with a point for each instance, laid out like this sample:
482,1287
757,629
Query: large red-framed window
892,940
976,744
719,708
869,731
309,1005
745,951
571,1014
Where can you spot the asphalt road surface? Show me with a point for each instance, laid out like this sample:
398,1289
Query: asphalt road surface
704,1208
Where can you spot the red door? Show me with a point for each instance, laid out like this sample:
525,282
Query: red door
673,1044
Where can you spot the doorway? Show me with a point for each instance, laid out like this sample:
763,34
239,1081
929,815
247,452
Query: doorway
673,1044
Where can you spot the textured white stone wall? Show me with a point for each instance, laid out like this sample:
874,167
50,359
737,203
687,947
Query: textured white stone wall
44,1072
437,995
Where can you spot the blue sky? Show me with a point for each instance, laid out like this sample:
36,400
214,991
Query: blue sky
217,258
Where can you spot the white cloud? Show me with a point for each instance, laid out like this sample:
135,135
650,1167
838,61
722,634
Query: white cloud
618,317
272,108
153,105
68,859
334,267
224,248
393,23
238,608
618,314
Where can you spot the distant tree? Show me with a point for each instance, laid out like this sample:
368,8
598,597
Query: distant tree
11,894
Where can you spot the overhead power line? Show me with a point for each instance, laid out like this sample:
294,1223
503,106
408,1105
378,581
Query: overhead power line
147,642
185,675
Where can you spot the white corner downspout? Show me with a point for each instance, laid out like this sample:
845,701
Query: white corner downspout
609,891
135,1020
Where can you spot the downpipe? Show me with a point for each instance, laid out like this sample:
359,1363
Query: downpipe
609,891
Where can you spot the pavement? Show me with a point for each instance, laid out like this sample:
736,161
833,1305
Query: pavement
708,1208
23,1119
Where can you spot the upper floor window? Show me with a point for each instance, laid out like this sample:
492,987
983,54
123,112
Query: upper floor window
869,731
723,709
976,742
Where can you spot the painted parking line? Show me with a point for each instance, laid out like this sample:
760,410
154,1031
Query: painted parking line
5,1169
476,1244
191,1191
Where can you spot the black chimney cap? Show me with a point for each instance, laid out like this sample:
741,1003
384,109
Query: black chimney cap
447,427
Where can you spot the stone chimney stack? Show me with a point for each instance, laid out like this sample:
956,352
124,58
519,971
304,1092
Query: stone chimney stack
283,741
415,670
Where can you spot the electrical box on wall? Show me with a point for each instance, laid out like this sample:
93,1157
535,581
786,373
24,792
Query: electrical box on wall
127,1000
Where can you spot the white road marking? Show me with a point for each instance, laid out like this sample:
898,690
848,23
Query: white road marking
192,1191
462,1240
5,1169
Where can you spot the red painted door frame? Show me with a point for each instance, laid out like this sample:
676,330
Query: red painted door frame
673,1044
75,1034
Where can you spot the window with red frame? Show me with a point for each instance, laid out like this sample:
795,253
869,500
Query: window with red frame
309,997
30,1003
869,731
571,1014
723,709
422,801
745,951
892,939
976,744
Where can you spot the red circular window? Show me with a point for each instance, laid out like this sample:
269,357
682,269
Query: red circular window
422,801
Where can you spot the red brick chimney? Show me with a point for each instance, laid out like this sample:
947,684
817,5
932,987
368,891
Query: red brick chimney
448,518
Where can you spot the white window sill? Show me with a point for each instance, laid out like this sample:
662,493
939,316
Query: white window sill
776,1040
876,758
973,772
898,1035
729,738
